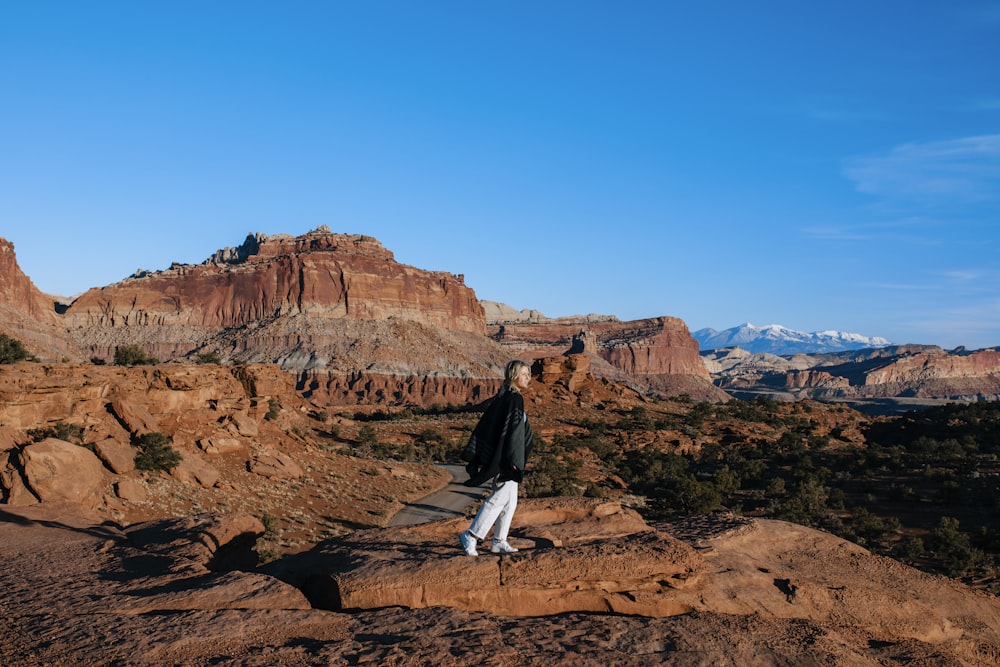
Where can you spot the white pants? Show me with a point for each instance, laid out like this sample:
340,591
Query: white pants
498,508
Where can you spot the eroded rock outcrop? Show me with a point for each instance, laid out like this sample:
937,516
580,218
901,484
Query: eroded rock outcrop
594,556
275,298
658,353
735,592
577,556
908,371
29,315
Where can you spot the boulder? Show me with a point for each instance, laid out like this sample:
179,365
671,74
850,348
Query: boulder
118,456
220,442
134,417
272,463
130,490
194,470
244,424
56,470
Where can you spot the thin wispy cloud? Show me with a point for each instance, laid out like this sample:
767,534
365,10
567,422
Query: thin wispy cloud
963,275
913,230
963,170
902,287
830,109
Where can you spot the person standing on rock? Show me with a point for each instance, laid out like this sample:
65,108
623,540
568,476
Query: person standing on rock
497,450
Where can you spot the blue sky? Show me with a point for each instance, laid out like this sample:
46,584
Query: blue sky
818,165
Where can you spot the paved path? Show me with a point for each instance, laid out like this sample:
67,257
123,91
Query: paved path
448,503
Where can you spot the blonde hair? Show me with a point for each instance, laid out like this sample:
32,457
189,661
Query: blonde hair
510,372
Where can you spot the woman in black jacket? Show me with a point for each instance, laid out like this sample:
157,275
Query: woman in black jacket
497,450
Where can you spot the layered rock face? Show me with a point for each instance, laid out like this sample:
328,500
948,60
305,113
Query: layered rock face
354,324
657,352
912,371
294,300
17,290
29,315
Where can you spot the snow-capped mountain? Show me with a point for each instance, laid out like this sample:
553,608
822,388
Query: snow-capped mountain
780,340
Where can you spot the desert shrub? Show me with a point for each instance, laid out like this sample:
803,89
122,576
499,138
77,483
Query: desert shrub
61,430
954,547
806,504
133,355
431,445
273,409
909,549
156,452
870,529
638,419
366,436
12,350
553,476
698,413
208,358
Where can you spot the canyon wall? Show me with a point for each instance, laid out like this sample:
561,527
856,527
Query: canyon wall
659,352
29,315
908,371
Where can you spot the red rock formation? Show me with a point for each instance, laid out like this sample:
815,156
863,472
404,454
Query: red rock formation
659,352
323,274
322,277
813,379
17,290
29,315
936,366
905,371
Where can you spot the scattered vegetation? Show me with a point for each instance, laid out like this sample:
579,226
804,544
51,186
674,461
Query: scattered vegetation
61,430
133,355
273,409
267,544
208,358
156,452
12,350
923,487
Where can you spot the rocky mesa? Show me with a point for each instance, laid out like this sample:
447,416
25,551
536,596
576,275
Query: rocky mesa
341,314
909,373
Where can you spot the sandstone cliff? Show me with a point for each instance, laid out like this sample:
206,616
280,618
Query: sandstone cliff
658,353
315,301
907,371
354,325
29,315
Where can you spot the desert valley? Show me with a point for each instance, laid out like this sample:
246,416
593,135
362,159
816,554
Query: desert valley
200,465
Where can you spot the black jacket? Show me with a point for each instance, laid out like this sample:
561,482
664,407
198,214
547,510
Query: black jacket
501,442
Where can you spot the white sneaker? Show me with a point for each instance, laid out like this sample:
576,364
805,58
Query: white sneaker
502,547
468,541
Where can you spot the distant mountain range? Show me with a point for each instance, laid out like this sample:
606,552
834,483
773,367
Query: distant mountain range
779,340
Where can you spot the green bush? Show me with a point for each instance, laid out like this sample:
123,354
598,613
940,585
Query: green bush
550,476
156,453
208,358
61,430
133,355
12,350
